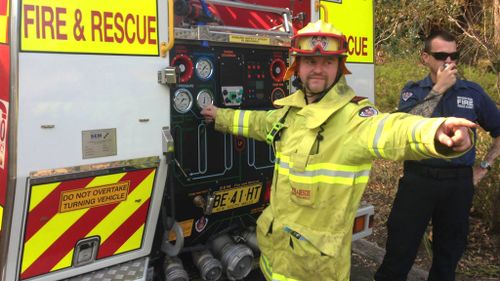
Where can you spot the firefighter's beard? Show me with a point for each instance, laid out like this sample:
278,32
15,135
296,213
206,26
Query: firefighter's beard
315,84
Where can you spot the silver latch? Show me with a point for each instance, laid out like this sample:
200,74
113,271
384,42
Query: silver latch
169,75
86,251
167,144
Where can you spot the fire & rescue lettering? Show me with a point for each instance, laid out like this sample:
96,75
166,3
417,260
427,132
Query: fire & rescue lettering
45,22
140,28
358,45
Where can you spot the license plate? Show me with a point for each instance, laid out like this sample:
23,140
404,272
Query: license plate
236,197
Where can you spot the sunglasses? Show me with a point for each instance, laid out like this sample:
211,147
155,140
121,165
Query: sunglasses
444,55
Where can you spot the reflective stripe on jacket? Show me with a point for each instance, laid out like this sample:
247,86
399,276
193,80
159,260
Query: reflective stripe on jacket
306,232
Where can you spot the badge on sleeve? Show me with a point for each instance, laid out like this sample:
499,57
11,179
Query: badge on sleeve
367,111
406,95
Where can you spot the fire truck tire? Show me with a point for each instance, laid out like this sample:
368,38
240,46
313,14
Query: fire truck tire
170,249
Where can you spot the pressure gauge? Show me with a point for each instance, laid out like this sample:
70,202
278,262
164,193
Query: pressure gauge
277,94
204,98
204,68
183,100
277,69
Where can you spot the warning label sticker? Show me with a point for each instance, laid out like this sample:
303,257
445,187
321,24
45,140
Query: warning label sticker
93,197
249,40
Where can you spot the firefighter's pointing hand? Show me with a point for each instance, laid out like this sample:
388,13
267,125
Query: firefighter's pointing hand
209,112
455,134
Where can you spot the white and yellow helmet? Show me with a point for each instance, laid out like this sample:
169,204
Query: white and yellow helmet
318,39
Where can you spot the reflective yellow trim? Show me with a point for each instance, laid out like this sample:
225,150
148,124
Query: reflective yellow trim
133,243
338,167
326,179
41,192
385,133
280,277
246,122
236,122
372,132
1,216
416,138
326,173
265,267
241,121
377,145
267,270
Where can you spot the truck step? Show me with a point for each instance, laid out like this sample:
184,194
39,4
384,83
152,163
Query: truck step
135,270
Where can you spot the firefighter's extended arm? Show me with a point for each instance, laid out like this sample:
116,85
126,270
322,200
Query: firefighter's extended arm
402,136
254,124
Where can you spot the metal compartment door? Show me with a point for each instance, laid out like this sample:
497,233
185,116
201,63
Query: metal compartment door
87,94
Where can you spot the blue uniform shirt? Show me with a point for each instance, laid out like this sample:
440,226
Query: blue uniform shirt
464,99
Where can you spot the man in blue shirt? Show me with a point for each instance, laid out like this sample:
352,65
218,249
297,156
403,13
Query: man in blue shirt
435,189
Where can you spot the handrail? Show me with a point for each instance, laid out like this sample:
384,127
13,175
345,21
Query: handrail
171,32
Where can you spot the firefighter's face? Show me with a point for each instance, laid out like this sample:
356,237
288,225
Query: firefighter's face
318,73
439,46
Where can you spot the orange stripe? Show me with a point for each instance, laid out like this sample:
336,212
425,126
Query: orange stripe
65,243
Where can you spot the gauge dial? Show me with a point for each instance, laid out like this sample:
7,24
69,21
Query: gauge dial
277,70
277,94
204,98
183,100
185,65
204,68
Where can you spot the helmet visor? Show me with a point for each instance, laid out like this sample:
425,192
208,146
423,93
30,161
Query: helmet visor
319,44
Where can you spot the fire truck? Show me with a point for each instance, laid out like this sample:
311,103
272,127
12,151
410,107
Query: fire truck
107,169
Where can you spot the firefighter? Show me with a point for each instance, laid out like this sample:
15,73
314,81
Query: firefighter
325,139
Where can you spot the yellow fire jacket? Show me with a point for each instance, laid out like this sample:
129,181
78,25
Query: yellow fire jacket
323,162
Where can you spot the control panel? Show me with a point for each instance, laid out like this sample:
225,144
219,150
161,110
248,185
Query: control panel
220,178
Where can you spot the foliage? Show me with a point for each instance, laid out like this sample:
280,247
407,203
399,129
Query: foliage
401,26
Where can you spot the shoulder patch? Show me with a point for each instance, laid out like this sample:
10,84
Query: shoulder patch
406,95
367,111
357,99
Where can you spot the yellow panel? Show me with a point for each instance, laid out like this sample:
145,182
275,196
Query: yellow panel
90,26
355,19
61,222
